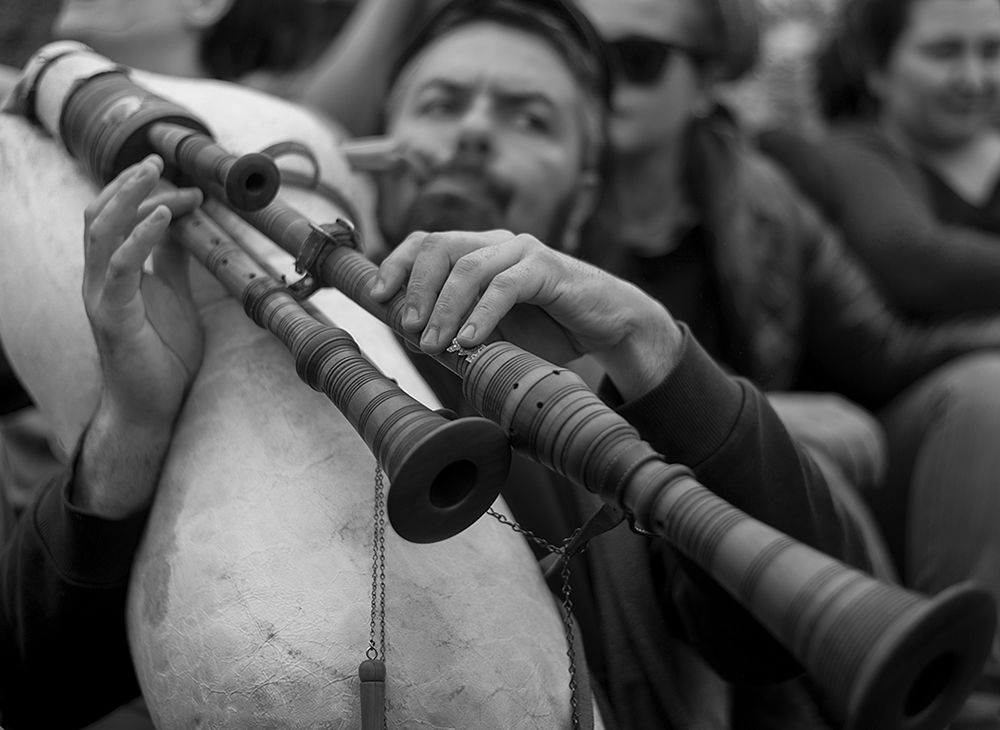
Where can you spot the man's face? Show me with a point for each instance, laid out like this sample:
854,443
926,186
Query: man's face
655,112
497,116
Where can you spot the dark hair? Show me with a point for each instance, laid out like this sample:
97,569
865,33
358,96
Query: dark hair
270,35
864,34
558,22
735,41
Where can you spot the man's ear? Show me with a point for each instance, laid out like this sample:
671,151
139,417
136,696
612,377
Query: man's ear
204,13
581,208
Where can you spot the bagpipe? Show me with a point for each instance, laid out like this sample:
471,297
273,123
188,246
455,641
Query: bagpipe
883,656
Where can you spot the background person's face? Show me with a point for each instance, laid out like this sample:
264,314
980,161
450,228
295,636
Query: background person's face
123,30
646,117
941,81
156,35
496,114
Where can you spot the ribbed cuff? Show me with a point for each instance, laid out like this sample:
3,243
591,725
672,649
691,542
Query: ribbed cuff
689,415
86,548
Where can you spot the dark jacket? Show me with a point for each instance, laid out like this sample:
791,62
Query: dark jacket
64,657
662,639
931,251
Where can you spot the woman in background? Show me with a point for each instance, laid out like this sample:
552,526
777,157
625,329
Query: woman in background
262,43
331,55
909,168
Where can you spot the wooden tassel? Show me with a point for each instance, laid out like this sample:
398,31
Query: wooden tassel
372,673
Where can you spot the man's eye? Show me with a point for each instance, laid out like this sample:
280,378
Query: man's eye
437,107
990,51
533,122
943,51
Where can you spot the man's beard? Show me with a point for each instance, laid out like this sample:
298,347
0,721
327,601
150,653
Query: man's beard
456,198
447,209
463,198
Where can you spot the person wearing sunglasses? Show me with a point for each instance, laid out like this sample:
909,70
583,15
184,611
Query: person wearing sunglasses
666,57
694,215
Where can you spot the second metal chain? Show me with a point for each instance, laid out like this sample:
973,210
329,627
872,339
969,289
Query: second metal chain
566,601
376,648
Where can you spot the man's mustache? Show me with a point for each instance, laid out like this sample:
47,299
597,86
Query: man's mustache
460,197
474,180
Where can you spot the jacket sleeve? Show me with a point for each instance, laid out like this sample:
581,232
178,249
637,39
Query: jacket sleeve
64,657
878,199
739,449
868,349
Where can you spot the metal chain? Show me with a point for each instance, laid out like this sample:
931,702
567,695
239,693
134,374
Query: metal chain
566,601
376,647
537,539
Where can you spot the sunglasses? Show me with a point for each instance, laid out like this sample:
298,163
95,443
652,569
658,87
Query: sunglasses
641,61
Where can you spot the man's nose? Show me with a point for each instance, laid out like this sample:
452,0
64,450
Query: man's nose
476,133
976,73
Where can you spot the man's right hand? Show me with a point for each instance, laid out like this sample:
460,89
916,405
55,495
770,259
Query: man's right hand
148,336
465,286
146,326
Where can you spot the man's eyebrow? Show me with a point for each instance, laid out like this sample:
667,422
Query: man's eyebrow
524,98
439,84
506,95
